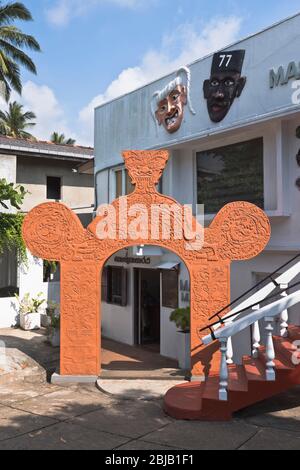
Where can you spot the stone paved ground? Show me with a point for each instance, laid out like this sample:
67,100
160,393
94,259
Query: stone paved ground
43,416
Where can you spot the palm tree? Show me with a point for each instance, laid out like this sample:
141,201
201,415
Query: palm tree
12,41
14,122
57,138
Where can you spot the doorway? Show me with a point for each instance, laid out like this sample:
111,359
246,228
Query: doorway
147,308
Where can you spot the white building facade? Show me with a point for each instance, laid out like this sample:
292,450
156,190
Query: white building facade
233,133
49,173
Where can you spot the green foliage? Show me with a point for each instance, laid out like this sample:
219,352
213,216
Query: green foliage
182,318
10,193
51,308
11,224
12,43
30,305
50,267
57,138
14,122
298,132
55,322
11,234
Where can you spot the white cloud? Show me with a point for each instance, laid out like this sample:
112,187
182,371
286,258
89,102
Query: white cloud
50,115
183,46
64,10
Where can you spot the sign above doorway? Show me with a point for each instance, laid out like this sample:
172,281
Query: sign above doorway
128,260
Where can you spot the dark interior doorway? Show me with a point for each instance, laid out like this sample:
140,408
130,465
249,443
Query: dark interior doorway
147,308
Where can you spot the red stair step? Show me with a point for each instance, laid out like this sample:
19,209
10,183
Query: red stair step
237,378
294,332
237,382
254,368
281,363
284,348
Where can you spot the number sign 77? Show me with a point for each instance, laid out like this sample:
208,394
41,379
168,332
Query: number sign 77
223,57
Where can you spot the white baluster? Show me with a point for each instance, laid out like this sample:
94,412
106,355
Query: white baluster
223,395
284,317
255,335
256,339
229,354
270,352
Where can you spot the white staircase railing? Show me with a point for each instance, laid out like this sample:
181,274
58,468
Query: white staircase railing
282,281
269,313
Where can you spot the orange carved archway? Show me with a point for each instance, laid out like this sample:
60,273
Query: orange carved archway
53,232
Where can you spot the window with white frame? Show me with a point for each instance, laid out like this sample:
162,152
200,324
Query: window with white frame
231,173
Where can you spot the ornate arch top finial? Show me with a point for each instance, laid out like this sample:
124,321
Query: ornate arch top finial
145,167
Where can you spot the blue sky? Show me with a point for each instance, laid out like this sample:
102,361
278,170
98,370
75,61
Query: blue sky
94,50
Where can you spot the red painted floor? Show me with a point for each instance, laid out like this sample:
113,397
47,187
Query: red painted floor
121,357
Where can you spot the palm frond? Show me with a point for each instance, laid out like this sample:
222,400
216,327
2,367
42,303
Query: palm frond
14,11
16,37
17,55
14,122
12,41
12,73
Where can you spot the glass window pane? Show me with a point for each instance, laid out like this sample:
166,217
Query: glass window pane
231,173
129,185
8,274
119,184
116,286
53,188
170,289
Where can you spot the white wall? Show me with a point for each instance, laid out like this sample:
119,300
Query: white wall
118,322
30,281
8,171
8,312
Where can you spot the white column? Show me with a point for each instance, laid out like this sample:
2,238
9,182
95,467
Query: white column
270,352
256,340
256,335
284,317
223,395
229,354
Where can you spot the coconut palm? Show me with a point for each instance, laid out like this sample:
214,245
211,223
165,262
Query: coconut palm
14,122
12,41
57,138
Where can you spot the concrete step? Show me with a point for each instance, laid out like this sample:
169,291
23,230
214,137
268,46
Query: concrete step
160,374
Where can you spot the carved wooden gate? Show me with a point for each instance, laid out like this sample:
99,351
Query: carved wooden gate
53,232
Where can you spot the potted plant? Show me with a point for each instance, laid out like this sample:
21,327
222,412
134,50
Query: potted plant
30,311
50,312
181,317
54,331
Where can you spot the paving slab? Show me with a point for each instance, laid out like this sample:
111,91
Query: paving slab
136,389
15,422
64,404
18,392
126,418
273,439
203,436
281,411
64,436
139,444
